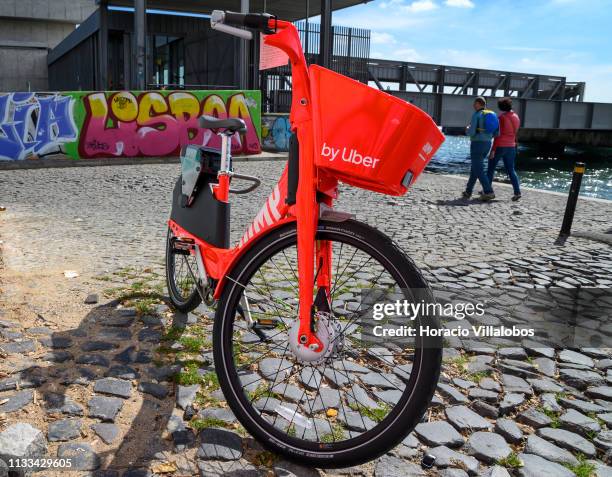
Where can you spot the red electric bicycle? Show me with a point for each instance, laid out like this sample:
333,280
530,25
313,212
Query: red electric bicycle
287,341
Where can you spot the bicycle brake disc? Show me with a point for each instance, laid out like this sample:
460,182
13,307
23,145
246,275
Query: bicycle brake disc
329,332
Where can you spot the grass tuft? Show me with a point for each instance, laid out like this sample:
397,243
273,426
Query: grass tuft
479,376
511,462
337,434
189,375
553,416
582,468
376,414
198,424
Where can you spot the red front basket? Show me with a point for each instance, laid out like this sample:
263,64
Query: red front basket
367,138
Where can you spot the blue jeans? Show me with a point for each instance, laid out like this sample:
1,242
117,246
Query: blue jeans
508,155
478,153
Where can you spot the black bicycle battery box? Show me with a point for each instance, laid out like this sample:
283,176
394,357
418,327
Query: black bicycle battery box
194,207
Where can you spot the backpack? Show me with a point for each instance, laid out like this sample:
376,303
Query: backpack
489,122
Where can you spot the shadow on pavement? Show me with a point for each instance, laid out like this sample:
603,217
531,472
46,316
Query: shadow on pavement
461,202
82,405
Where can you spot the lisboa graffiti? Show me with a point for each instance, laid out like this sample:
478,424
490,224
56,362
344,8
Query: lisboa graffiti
122,123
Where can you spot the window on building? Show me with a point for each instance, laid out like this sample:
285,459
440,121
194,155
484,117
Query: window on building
169,61
116,79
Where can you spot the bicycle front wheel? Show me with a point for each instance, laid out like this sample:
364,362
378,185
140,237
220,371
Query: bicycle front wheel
357,402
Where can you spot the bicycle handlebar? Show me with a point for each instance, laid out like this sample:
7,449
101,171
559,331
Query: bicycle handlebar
228,22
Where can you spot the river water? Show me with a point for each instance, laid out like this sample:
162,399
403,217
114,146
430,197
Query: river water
536,167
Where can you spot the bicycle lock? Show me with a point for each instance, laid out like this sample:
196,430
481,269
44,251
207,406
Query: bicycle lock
572,199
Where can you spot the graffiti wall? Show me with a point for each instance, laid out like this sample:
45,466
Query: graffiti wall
121,123
275,132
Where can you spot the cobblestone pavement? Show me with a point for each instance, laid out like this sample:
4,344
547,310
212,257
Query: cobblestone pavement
109,380
111,217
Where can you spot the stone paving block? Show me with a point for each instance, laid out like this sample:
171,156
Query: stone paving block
575,421
534,418
439,433
581,379
64,430
536,466
487,447
157,390
185,395
568,440
105,408
543,448
240,468
446,457
16,401
219,444
496,471
510,402
570,356
464,419
107,432
603,440
600,392
389,466
22,441
81,454
114,387
452,394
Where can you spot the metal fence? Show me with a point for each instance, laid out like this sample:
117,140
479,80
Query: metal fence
351,51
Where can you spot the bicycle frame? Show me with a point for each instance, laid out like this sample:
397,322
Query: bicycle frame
219,262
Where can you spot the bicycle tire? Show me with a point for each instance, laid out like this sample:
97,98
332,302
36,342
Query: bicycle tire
414,401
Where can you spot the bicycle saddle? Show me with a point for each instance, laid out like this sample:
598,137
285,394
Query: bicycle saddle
230,124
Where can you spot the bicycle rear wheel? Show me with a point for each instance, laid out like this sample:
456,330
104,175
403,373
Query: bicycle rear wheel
180,271
359,401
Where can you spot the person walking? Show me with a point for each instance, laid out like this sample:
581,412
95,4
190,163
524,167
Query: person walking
504,145
480,130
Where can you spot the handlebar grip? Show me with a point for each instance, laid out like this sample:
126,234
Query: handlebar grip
256,21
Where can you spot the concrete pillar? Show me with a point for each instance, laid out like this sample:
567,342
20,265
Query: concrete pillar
140,33
102,80
325,40
441,79
476,83
307,36
403,77
243,53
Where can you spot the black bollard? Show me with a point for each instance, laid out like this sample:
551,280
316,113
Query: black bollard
572,199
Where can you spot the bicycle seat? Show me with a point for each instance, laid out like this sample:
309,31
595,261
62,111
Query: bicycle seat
230,124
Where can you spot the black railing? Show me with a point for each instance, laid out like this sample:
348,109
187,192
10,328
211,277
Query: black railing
351,51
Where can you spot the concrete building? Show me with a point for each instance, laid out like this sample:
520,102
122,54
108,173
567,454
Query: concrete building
148,44
28,30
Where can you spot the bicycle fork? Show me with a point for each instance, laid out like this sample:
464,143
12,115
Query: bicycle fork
307,214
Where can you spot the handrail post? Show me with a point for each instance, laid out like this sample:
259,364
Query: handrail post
572,199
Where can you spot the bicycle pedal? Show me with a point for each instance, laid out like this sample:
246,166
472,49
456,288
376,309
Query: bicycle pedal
266,324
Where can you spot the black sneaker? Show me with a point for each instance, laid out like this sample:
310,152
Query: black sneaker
516,197
465,195
487,197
